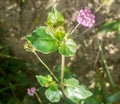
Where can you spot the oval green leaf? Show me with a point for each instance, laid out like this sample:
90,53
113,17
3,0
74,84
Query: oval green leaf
53,95
71,82
74,91
42,41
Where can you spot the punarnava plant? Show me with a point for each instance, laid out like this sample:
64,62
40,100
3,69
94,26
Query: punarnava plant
50,38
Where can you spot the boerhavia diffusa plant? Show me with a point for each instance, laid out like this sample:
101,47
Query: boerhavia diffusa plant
50,38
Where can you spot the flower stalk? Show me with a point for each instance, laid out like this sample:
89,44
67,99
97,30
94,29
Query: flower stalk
74,29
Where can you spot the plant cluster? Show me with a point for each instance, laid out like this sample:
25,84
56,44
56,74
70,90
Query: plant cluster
52,37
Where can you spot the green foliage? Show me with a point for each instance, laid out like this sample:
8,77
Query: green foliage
53,95
101,94
93,100
68,48
55,18
74,91
71,82
59,33
53,86
42,41
110,26
114,97
44,81
12,80
47,39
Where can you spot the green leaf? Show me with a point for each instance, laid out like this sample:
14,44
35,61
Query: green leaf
53,86
110,26
53,95
71,82
59,33
115,97
44,81
42,41
55,18
74,91
68,48
118,32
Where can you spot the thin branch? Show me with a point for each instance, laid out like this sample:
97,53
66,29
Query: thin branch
96,60
62,69
46,66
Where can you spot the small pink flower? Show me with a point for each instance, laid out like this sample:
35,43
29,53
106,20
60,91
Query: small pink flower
86,18
31,91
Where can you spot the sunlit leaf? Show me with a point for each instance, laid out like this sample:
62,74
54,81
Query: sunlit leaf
53,95
44,80
68,48
71,82
76,92
42,41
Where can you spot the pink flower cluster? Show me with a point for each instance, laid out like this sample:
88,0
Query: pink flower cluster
86,18
31,91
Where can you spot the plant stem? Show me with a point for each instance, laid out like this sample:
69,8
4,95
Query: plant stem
101,5
106,66
96,60
38,98
74,29
62,71
46,66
